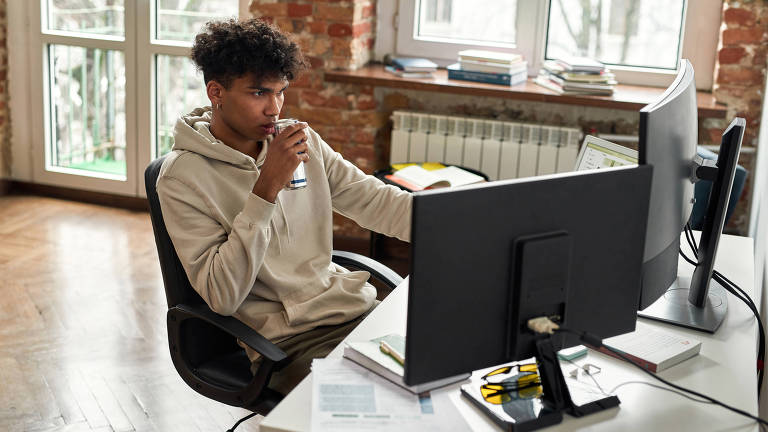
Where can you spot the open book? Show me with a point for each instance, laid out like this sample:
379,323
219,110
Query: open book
369,355
416,178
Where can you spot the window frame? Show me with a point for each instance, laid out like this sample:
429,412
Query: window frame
700,36
29,71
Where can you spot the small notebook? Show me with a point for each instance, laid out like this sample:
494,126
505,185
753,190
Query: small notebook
653,348
369,355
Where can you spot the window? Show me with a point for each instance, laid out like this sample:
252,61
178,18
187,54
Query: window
641,40
110,79
444,27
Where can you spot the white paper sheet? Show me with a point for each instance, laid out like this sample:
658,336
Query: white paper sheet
346,396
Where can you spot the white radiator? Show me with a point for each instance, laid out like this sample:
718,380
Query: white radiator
501,150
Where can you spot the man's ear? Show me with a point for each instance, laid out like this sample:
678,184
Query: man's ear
215,92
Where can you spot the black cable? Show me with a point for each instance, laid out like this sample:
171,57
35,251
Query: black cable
685,257
597,343
232,429
741,295
679,393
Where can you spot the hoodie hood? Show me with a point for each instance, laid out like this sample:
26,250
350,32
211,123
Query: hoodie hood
192,132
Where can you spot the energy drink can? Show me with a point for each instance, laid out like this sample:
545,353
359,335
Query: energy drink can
299,178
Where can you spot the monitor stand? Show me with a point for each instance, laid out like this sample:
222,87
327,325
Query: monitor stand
556,397
674,308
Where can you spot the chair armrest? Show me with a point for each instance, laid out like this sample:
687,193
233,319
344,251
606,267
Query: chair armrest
361,262
234,327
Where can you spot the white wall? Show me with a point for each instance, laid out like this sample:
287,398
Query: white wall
18,86
758,227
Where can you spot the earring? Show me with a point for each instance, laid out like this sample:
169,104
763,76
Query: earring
218,106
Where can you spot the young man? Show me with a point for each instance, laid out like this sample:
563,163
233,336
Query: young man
250,247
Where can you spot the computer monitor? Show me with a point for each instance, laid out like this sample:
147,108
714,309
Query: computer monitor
668,140
486,258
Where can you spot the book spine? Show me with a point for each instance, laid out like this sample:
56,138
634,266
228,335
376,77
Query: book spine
653,367
484,77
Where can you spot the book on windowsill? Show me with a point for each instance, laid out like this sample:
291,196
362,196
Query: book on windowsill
490,57
404,74
455,72
653,348
415,178
369,355
413,64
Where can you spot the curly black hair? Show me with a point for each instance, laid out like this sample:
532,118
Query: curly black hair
229,49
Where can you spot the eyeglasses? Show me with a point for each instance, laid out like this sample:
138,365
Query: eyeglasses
526,383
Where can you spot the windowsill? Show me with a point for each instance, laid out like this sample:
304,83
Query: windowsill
625,97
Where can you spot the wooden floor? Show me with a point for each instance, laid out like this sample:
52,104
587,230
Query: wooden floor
82,325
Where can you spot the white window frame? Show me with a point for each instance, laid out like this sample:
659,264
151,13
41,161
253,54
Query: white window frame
30,111
396,34
530,30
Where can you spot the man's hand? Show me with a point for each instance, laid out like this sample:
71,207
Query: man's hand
285,152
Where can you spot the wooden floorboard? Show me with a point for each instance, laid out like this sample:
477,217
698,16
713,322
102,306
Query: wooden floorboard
83,343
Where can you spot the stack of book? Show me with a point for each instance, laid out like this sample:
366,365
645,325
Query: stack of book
407,67
576,75
489,67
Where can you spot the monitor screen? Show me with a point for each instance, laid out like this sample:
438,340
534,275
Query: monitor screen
487,257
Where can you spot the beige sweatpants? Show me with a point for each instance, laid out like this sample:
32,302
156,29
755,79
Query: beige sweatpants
304,347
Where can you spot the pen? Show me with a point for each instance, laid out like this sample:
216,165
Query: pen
387,349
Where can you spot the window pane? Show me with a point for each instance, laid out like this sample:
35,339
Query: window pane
104,17
181,20
87,109
466,20
642,33
180,89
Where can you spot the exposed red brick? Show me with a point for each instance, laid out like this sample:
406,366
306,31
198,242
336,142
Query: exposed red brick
364,136
393,101
324,116
730,55
285,24
315,62
335,13
759,57
715,135
740,75
313,98
338,102
269,9
342,48
317,27
366,103
361,28
299,10
267,19
367,11
292,97
339,30
733,36
340,134
739,17
367,118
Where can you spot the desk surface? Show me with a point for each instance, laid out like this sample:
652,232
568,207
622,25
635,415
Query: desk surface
724,369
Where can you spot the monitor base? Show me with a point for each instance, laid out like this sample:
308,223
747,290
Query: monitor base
674,308
556,395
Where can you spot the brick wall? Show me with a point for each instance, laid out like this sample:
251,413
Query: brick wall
355,119
740,75
5,127
334,35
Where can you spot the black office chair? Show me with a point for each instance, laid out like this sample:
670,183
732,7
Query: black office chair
203,343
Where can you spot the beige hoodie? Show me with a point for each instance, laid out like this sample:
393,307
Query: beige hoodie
269,264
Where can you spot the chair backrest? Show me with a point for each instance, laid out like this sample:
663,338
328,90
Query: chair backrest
178,290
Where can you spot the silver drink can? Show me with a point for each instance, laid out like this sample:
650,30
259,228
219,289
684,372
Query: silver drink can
299,178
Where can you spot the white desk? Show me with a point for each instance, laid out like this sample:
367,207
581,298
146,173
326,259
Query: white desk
725,369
